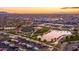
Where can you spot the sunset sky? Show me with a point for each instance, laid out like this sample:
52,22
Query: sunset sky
39,6
39,10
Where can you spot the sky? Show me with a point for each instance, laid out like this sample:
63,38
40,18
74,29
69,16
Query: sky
39,6
39,3
40,10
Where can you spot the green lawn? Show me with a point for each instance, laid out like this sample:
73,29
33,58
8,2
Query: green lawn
72,38
42,31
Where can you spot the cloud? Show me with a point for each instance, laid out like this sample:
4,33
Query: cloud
70,8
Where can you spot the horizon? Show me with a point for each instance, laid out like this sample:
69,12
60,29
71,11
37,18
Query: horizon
41,10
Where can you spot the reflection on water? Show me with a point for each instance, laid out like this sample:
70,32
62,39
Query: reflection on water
55,34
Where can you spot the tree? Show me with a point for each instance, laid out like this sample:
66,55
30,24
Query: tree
45,41
51,41
39,39
75,32
67,37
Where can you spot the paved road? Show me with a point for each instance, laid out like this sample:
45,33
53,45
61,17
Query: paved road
59,38
30,39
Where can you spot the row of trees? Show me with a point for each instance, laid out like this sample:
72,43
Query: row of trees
45,41
73,37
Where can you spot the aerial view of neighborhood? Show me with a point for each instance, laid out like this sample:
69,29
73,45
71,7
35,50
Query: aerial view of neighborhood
39,29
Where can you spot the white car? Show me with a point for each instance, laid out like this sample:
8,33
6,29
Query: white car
11,45
5,42
36,48
29,45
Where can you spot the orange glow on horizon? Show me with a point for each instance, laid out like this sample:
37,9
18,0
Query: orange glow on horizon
38,10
